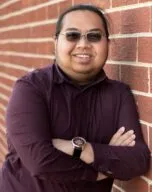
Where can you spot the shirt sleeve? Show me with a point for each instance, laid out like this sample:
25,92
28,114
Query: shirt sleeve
29,131
124,163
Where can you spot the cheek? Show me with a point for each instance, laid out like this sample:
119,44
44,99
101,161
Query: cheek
102,51
63,48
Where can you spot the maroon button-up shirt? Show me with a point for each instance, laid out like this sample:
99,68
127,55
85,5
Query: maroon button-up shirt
45,104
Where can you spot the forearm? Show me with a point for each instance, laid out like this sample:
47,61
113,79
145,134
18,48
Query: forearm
123,162
87,155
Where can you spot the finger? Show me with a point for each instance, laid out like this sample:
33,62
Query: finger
132,144
117,135
124,137
128,140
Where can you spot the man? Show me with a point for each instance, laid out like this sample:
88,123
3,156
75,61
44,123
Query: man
70,128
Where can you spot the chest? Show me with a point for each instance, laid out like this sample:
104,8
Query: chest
90,114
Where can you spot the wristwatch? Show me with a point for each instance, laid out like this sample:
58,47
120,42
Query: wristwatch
78,144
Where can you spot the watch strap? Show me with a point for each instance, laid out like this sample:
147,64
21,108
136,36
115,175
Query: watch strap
77,153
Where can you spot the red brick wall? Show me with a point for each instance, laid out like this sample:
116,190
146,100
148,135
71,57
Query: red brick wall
26,30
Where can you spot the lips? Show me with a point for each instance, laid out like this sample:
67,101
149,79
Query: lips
83,58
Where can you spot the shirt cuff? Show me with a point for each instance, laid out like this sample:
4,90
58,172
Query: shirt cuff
103,158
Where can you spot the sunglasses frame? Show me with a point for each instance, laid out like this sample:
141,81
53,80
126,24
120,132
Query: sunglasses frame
85,35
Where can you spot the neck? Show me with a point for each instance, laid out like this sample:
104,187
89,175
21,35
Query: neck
80,78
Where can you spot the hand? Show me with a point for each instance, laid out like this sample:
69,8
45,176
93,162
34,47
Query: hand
101,176
123,139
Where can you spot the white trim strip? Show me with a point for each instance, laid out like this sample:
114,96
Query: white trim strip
6,87
21,54
2,117
14,66
131,35
146,123
3,150
3,107
3,128
4,97
142,93
6,76
6,4
28,25
149,81
129,7
146,179
129,63
3,138
120,189
28,40
29,9
39,40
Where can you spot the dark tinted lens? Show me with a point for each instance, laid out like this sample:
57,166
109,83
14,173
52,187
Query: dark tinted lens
73,36
94,36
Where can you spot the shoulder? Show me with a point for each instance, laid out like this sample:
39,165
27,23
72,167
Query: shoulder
117,88
117,85
38,78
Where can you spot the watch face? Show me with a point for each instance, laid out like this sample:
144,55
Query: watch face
79,141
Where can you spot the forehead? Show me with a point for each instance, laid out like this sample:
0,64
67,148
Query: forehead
82,20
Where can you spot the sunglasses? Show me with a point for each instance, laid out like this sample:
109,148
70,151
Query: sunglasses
75,36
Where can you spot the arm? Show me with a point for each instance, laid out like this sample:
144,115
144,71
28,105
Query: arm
124,157
124,162
30,133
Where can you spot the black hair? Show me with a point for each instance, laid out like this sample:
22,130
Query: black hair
86,7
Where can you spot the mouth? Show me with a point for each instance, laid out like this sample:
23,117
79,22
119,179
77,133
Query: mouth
83,58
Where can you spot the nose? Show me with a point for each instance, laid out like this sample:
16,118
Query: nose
83,42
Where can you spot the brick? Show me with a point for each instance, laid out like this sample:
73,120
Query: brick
52,11
115,27
16,34
5,81
62,6
3,102
123,2
136,185
151,80
142,1
2,113
43,31
4,47
144,106
4,91
144,49
145,132
112,71
135,20
101,3
41,14
75,2
3,142
45,48
2,121
3,1
123,49
14,72
150,138
136,77
149,173
16,6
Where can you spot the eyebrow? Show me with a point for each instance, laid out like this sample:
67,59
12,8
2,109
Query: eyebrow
75,29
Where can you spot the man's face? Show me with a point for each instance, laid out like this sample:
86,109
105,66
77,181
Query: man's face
81,60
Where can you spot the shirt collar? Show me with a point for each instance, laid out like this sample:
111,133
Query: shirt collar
60,77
